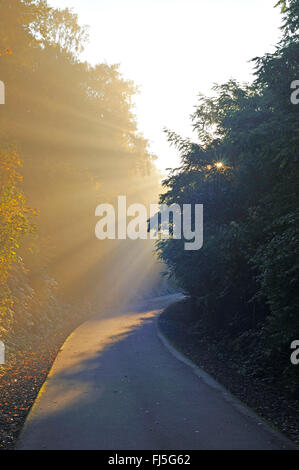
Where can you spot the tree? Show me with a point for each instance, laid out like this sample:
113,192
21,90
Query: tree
244,170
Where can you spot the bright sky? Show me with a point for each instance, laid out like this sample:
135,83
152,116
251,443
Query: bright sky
174,49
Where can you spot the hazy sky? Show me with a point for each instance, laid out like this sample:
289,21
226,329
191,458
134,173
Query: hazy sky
174,49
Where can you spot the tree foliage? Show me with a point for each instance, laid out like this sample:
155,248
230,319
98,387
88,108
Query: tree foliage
246,275
75,130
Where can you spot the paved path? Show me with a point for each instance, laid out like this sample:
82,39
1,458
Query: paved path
115,385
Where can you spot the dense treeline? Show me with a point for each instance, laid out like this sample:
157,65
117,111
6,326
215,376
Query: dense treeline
68,142
244,170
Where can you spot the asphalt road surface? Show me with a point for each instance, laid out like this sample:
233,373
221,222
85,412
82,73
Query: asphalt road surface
115,385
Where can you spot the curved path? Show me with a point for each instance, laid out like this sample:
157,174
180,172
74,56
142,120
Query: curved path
115,385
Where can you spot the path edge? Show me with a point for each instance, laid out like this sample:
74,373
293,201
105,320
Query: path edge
30,416
232,399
